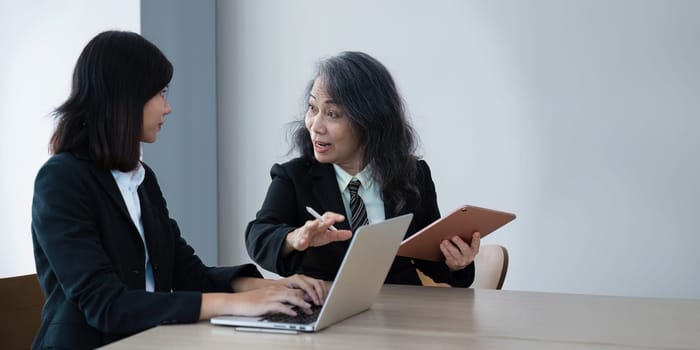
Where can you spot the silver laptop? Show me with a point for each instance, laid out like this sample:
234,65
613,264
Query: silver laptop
356,285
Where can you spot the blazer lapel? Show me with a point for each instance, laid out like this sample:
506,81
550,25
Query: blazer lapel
390,205
106,181
324,189
151,230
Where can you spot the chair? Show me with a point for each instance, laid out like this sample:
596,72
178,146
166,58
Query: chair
491,267
21,300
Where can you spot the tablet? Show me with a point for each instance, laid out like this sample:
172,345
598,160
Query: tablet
464,221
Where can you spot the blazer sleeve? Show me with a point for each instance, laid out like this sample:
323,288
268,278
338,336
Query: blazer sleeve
265,236
438,271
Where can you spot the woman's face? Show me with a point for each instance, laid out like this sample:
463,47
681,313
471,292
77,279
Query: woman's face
332,136
154,113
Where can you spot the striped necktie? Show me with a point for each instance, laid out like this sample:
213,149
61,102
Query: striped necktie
357,206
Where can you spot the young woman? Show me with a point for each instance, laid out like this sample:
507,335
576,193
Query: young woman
109,258
357,157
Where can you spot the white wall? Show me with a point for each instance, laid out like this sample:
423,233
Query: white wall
579,116
40,42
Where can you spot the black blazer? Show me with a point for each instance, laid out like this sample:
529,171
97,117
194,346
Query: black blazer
304,182
90,258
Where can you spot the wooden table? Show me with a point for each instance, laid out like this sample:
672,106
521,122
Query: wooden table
407,317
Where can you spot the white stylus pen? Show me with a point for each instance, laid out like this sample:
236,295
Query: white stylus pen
318,216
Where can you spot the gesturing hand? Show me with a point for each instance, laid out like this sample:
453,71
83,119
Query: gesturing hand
315,233
458,254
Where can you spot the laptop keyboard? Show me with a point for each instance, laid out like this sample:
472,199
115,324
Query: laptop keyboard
301,317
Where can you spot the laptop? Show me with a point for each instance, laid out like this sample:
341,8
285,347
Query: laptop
356,285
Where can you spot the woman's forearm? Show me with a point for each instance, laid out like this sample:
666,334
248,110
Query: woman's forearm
244,284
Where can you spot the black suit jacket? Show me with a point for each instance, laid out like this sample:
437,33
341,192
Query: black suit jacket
90,258
305,182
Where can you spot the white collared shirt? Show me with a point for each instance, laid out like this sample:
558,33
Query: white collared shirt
128,184
369,191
